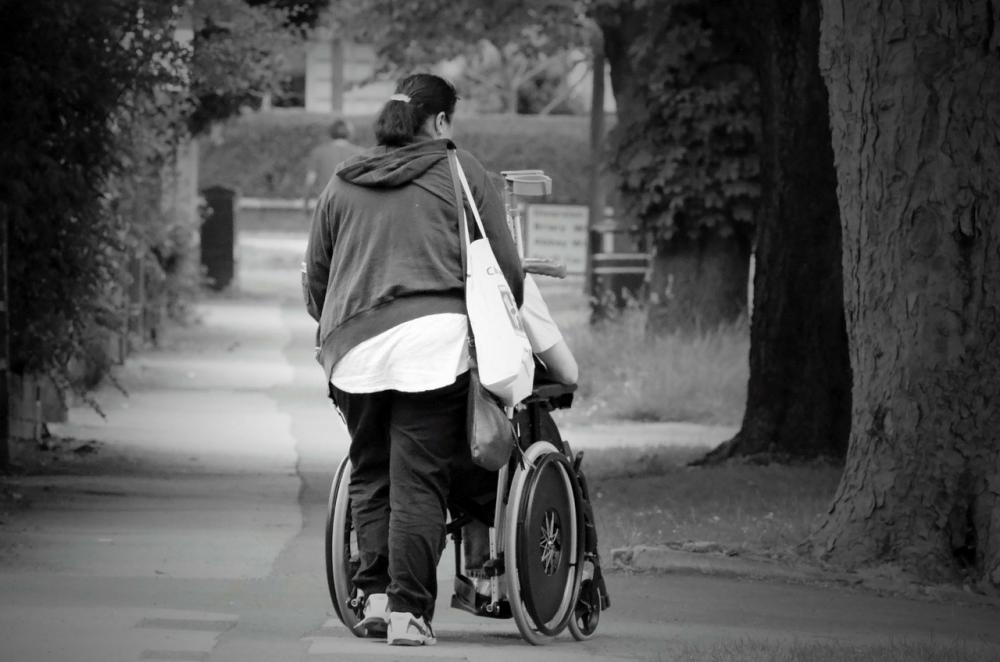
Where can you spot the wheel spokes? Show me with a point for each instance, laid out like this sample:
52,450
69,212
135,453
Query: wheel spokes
549,543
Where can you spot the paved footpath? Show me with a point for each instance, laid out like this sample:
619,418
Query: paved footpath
195,530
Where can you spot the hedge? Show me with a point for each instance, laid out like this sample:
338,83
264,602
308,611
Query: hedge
264,154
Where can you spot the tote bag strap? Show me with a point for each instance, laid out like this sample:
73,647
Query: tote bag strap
472,201
463,231
463,220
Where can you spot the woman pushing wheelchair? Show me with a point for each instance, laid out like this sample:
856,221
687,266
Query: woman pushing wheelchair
384,279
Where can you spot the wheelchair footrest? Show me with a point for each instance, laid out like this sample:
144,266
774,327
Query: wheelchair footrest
468,599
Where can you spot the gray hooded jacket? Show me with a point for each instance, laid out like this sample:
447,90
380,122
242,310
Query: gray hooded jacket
384,245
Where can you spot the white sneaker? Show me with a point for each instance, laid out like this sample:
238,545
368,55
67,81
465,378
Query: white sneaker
376,615
405,629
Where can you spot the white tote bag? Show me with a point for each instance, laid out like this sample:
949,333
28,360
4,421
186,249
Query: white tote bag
503,352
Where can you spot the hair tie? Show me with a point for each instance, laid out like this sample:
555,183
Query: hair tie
400,97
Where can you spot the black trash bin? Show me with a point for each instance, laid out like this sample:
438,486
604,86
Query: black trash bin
218,236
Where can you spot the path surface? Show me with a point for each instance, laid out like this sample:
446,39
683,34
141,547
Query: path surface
195,532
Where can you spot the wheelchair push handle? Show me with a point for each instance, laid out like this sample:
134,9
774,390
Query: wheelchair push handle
527,183
544,266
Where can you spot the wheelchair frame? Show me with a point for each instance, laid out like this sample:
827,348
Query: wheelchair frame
551,579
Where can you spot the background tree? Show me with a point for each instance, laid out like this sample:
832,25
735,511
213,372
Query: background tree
506,43
798,399
551,92
96,98
684,153
238,53
914,107
76,79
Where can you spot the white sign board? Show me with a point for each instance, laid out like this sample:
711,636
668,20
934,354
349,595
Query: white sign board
558,232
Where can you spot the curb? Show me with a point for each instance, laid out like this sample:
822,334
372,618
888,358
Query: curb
709,559
712,559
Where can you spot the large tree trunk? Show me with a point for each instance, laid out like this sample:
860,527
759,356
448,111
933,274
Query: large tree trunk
698,284
915,112
798,397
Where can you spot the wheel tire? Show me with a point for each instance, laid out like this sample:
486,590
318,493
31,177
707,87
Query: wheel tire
341,555
543,550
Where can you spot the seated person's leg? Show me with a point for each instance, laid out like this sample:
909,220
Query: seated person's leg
473,491
476,547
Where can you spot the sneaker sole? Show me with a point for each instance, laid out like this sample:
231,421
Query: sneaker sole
412,642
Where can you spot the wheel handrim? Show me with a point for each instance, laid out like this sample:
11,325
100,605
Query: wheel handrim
343,557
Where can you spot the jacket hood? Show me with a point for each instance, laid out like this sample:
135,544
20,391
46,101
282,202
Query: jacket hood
385,167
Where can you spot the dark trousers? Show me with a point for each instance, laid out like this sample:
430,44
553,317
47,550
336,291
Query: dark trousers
405,450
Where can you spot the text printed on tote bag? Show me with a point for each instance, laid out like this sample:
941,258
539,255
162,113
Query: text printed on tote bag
511,307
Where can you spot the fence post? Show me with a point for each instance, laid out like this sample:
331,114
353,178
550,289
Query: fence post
596,202
4,350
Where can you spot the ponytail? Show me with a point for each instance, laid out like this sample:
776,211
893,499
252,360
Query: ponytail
417,97
397,124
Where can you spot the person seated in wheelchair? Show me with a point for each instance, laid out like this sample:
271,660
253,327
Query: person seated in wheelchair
476,486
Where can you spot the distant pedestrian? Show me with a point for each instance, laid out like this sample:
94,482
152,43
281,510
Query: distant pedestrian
324,159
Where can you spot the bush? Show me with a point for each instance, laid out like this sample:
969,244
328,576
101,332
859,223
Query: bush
264,155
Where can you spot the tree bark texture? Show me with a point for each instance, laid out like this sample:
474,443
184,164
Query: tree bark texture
798,396
915,114
698,283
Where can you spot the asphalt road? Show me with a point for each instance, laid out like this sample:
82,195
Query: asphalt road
195,531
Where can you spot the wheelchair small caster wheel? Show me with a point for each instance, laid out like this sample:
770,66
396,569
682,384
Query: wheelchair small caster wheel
587,613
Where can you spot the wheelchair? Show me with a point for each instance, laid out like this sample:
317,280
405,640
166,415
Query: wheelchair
544,569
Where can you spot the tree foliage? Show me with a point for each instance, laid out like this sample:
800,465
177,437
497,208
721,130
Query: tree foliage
239,53
67,131
299,15
431,30
505,44
684,151
97,98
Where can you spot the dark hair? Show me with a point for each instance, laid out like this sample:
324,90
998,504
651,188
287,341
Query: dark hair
400,121
340,128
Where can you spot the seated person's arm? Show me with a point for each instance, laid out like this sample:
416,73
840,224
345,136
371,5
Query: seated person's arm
546,340
560,364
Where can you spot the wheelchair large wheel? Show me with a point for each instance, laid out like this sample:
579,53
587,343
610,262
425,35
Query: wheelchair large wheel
342,557
543,550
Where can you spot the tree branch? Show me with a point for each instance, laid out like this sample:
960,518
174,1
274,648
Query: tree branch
563,94
530,73
476,78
